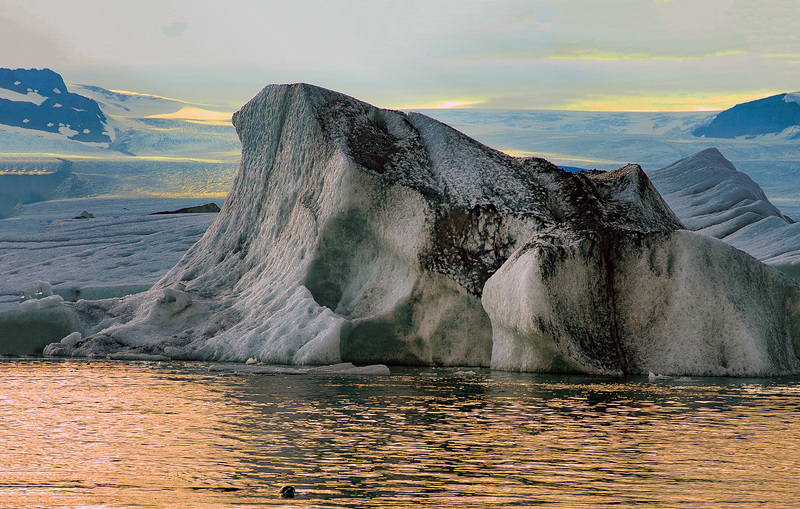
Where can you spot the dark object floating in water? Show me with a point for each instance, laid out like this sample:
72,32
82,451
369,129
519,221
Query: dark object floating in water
199,209
287,492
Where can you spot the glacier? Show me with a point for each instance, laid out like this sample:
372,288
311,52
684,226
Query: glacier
363,235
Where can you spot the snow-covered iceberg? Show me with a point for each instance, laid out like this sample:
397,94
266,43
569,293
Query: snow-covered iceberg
357,234
711,197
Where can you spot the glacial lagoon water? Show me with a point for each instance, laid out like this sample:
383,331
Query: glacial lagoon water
77,433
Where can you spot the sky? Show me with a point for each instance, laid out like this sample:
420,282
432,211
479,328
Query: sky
608,55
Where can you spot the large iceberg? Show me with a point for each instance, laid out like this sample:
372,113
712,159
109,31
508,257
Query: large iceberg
357,234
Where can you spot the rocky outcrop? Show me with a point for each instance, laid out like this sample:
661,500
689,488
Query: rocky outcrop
356,234
208,208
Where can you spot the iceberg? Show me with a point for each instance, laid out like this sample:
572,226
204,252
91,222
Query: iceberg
712,197
354,234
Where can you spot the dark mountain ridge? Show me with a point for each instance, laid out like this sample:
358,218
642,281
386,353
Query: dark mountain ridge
38,99
770,115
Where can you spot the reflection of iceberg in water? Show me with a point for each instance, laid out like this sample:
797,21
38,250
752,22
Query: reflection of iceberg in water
354,234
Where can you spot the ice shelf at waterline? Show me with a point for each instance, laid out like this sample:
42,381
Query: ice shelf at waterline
357,234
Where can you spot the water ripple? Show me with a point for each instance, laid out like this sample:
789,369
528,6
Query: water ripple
80,433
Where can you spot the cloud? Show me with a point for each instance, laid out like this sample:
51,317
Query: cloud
509,54
444,104
23,45
665,101
636,30
175,29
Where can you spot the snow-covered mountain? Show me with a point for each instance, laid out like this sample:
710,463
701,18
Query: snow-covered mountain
39,100
55,144
117,103
38,115
710,196
778,114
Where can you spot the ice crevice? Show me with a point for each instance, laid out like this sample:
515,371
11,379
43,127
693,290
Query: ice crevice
354,234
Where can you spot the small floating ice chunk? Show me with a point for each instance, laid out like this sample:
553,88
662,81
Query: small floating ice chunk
50,301
44,289
652,377
174,352
36,304
244,368
54,350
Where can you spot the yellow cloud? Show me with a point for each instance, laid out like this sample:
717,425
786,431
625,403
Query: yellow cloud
665,102
441,105
611,56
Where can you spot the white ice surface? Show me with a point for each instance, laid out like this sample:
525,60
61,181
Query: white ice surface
682,304
711,197
118,252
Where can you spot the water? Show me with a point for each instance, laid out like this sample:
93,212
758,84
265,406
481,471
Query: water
103,434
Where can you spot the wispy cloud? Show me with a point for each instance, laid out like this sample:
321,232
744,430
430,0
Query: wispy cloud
665,101
514,53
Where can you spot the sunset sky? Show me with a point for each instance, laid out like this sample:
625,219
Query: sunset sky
564,54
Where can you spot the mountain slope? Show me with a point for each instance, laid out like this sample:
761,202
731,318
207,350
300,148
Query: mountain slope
771,115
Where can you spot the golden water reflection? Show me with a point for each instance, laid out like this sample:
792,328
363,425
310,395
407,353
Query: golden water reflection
77,433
